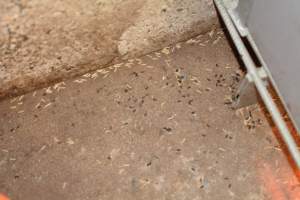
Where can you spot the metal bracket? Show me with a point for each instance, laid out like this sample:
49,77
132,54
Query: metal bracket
246,93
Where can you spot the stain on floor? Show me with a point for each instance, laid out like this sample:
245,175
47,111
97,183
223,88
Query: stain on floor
157,127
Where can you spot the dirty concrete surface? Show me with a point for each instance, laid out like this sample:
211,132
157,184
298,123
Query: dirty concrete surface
158,127
47,41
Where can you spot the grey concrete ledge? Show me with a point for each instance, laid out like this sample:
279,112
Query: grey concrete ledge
42,42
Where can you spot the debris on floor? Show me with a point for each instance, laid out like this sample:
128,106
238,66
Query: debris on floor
156,127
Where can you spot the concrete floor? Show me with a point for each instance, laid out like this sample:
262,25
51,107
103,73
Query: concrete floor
158,127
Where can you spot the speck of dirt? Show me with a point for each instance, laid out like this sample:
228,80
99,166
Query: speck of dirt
135,74
168,129
228,137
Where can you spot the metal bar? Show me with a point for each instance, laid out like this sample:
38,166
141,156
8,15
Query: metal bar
265,95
